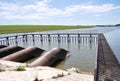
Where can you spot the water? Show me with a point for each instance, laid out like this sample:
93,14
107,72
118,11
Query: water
113,39
83,53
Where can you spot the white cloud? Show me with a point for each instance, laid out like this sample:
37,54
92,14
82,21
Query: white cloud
41,10
92,8
97,15
8,7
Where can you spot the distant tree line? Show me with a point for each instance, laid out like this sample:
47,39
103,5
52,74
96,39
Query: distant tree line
107,25
117,25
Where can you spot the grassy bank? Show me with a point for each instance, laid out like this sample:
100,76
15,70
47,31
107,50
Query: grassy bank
35,28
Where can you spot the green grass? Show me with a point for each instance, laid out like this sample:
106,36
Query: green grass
34,28
20,68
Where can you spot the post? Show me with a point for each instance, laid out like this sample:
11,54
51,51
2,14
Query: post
68,38
16,40
41,37
90,37
49,37
33,38
26,38
79,38
58,37
23,39
7,41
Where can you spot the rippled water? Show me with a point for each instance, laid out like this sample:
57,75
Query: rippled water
113,39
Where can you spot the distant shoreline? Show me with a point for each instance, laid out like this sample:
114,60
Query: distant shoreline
6,29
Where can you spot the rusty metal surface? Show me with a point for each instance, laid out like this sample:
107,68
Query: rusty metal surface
9,50
51,57
25,54
108,67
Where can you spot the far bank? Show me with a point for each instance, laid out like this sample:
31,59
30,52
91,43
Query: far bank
4,29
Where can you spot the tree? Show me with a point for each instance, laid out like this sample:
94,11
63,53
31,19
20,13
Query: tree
117,25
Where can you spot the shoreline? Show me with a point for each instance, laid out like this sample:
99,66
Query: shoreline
7,29
42,73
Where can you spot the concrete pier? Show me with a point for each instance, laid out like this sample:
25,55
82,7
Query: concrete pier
107,66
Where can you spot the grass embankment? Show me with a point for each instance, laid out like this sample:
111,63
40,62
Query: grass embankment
35,28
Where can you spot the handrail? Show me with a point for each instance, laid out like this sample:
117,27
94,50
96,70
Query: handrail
52,34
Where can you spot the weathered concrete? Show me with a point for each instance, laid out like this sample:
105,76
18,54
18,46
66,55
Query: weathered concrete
40,73
9,65
51,57
108,67
9,50
24,55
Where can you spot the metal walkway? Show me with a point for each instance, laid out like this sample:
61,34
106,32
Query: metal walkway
108,67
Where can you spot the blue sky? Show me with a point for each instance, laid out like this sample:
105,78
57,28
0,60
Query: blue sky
60,12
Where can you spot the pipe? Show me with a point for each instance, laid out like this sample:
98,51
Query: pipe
9,50
24,55
2,46
50,57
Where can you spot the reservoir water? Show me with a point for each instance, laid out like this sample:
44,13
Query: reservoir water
83,53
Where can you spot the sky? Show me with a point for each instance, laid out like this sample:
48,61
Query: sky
60,12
